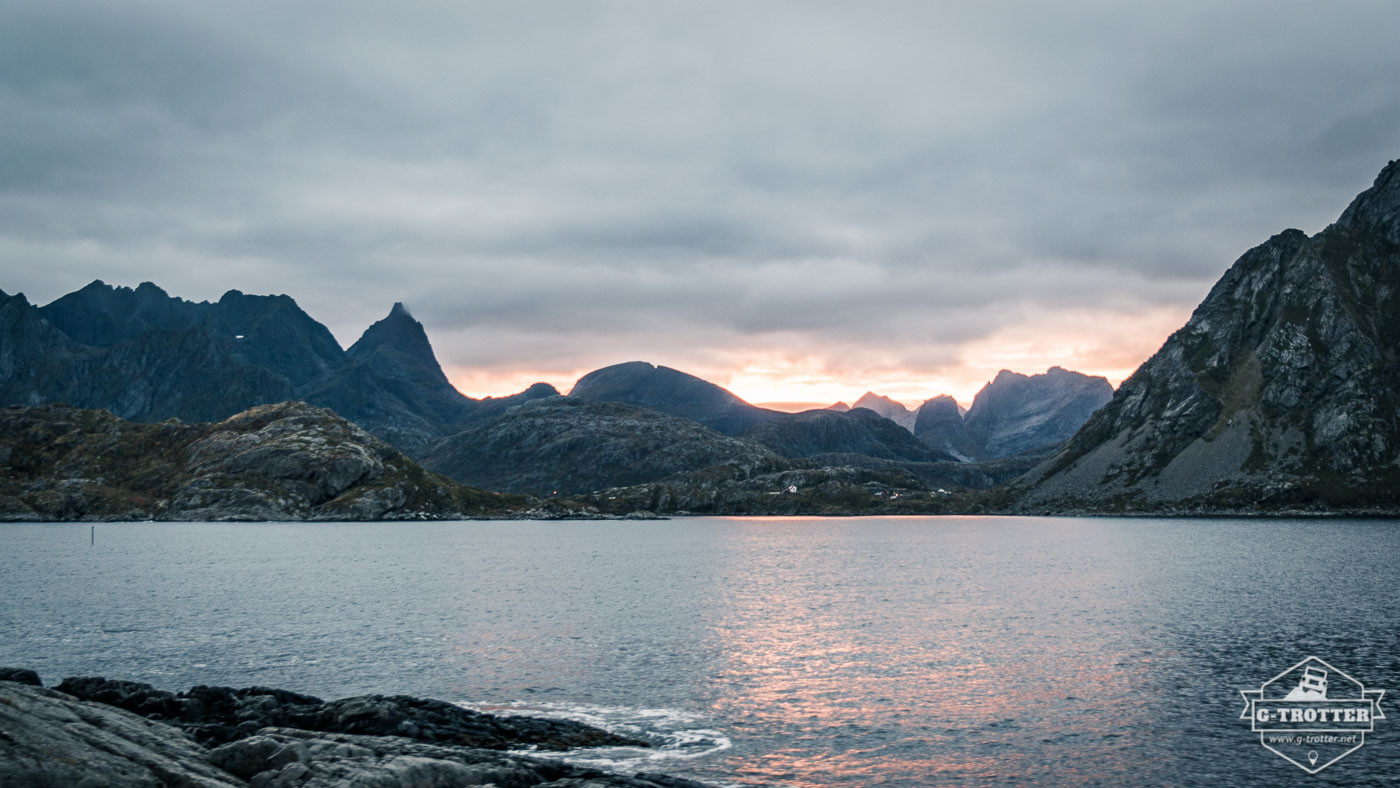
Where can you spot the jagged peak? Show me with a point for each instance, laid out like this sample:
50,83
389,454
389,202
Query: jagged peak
398,330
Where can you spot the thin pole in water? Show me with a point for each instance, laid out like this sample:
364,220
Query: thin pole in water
92,536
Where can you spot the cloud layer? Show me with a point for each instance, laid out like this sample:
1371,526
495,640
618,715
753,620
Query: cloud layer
809,199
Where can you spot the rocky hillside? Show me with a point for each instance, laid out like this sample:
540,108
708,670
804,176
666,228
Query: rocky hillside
146,356
1279,394
568,445
290,461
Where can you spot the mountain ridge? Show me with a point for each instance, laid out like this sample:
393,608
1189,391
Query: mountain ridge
1277,395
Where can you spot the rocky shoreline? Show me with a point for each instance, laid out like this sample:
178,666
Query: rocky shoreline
91,731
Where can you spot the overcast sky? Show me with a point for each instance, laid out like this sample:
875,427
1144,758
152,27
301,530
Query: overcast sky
800,200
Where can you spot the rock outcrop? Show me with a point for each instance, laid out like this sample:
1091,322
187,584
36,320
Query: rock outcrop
289,461
1279,394
218,715
54,737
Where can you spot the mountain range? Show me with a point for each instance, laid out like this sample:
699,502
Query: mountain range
146,356
1279,395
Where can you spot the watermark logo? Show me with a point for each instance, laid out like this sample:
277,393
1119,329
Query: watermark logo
1312,715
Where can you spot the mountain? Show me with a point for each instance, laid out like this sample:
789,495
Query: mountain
567,446
1012,414
1016,413
886,407
839,407
1279,394
147,356
938,424
857,431
288,461
670,391
391,383
269,332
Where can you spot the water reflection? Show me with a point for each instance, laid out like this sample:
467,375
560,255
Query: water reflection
891,652
985,661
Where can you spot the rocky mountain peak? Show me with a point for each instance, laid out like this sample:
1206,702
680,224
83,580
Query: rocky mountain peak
401,333
886,407
1377,210
1279,391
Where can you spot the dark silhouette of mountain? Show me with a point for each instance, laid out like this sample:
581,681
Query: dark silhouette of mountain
789,434
270,332
857,431
886,407
1280,393
671,391
146,356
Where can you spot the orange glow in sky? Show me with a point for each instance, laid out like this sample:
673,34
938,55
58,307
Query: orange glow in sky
1110,344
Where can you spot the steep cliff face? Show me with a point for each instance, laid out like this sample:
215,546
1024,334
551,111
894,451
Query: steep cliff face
939,425
288,461
1279,393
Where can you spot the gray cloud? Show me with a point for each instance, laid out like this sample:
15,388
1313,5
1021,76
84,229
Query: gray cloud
600,180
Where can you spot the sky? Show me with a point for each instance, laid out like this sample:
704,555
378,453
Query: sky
798,200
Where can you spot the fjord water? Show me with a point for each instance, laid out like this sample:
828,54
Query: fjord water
786,651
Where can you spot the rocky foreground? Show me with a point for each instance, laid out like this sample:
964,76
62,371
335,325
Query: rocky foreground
100,732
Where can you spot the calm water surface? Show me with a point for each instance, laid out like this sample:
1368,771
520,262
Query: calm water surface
786,651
